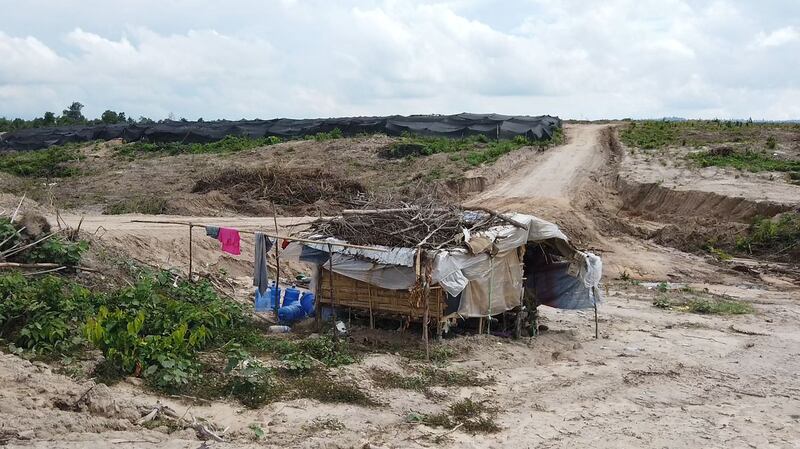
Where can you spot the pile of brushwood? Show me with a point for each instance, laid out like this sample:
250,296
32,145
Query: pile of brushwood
27,240
427,223
250,188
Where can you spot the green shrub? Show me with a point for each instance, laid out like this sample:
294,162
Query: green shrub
58,250
744,160
228,144
49,163
776,236
43,315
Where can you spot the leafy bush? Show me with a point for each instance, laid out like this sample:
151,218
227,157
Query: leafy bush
335,133
228,144
58,250
745,160
43,315
49,163
475,150
777,236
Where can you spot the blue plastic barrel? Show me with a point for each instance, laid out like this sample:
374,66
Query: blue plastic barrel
307,301
291,313
273,295
291,296
263,304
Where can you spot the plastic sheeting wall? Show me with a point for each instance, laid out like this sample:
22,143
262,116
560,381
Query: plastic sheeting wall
459,125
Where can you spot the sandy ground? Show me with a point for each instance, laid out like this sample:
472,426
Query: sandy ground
654,378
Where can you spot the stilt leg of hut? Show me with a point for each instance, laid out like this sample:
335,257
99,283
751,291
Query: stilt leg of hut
190,253
596,326
317,305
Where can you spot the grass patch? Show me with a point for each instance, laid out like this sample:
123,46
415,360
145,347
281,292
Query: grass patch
150,205
475,150
49,163
744,160
717,307
652,134
703,305
471,416
779,236
426,377
228,144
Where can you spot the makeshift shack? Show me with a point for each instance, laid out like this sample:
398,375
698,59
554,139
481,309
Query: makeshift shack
438,265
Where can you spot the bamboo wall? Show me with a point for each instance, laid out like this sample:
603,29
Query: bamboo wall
357,294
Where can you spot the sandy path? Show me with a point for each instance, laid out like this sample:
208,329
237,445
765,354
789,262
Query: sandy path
555,173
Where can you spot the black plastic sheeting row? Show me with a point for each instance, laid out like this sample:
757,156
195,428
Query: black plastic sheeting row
459,125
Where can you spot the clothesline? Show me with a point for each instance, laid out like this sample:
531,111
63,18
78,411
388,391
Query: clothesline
274,236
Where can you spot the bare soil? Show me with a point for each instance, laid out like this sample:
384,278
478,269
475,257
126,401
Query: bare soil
654,378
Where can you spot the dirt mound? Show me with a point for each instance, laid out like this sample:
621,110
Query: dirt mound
254,189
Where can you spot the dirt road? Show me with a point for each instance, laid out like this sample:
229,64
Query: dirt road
556,174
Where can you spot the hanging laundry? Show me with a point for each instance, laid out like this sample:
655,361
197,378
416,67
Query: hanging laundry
260,275
212,231
230,240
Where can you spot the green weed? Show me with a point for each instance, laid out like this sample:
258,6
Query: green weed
229,144
475,150
744,160
475,417
776,236
49,163
150,205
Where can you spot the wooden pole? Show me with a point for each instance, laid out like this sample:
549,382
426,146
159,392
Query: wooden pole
425,318
491,284
291,239
596,326
277,262
190,253
333,296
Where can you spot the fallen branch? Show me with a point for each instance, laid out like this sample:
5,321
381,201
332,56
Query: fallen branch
500,216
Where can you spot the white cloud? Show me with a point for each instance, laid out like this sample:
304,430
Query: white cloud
616,58
778,37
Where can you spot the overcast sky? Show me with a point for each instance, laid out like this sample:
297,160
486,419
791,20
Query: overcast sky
265,59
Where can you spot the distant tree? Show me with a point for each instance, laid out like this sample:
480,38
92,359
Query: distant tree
200,120
109,117
145,120
49,119
73,115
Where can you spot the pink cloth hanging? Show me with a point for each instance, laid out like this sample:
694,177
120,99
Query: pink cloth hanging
230,240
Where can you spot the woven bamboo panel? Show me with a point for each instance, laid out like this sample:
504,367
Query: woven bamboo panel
357,294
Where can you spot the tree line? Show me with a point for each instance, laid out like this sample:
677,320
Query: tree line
72,115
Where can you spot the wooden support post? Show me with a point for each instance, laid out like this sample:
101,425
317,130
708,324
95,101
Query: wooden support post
333,296
491,284
426,315
596,326
317,304
190,252
275,294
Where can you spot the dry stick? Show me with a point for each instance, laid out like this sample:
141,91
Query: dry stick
291,239
426,293
190,253
14,215
491,284
500,216
12,252
17,232
330,282
277,263
596,326
35,273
